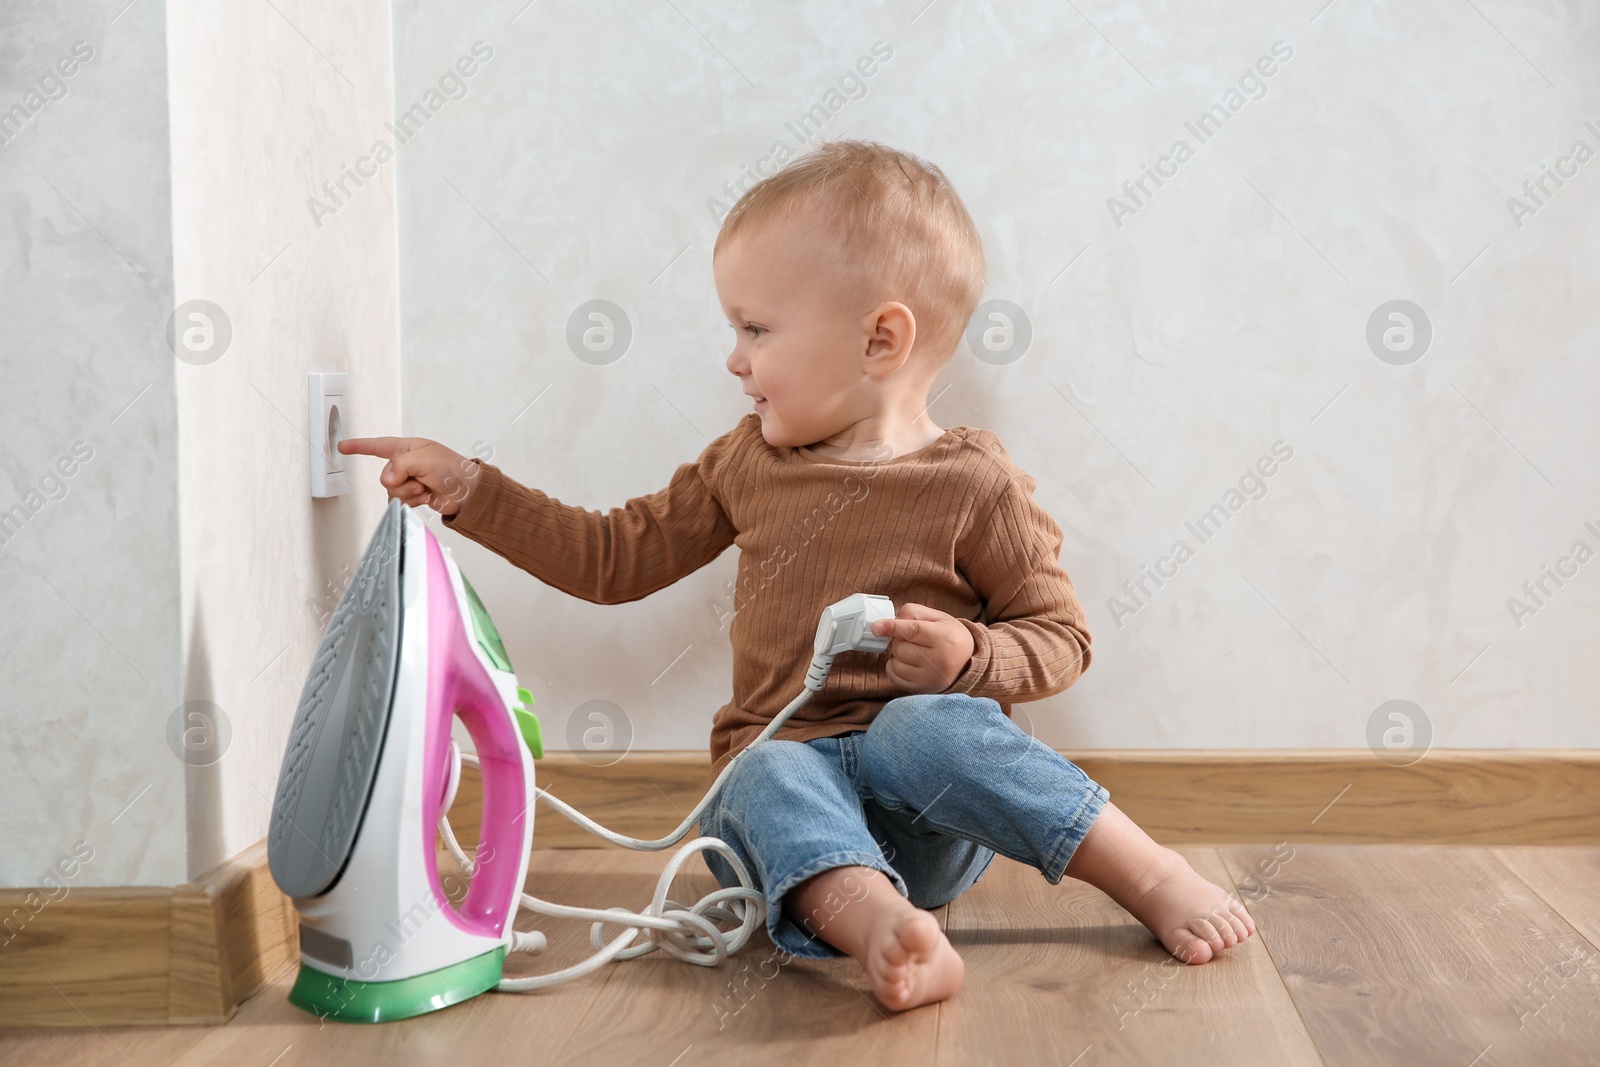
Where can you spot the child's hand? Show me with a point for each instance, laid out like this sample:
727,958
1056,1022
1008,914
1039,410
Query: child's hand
419,471
928,649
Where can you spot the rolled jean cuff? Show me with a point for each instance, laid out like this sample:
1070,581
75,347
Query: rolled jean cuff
1055,866
789,935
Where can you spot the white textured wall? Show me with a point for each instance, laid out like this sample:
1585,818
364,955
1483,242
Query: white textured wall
90,655
268,102
184,561
1169,352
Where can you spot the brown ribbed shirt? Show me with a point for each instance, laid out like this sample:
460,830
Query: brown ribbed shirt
952,525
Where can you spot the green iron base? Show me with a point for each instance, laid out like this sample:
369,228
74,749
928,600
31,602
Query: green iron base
350,1000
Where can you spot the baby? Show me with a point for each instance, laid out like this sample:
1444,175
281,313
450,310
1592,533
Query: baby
848,278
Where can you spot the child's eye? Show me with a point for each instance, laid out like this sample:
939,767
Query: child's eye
755,331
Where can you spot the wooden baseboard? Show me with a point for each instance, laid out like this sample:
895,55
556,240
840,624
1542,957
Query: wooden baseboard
119,956
192,953
1460,797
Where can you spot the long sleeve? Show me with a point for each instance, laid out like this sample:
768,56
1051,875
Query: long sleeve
1034,640
625,554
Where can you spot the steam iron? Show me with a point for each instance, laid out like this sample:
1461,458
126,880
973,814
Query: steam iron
371,767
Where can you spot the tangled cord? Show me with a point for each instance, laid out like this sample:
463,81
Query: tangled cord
690,934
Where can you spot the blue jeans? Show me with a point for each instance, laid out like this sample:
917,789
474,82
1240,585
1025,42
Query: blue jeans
927,794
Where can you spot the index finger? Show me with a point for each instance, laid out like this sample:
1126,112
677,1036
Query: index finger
382,447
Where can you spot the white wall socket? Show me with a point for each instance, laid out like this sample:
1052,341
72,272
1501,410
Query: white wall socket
327,408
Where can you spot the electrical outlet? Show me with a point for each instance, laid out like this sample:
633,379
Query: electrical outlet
327,407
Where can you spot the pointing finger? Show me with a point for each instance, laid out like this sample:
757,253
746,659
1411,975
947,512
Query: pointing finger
382,447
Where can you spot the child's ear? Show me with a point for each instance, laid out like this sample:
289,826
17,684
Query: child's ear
891,331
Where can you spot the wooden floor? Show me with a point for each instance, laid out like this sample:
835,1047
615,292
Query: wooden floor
1367,954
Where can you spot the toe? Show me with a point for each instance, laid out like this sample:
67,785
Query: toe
895,951
921,933
1205,931
1189,949
916,939
1222,922
895,995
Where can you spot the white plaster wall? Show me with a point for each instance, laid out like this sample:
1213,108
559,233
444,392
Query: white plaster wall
268,102
90,654
185,560
1168,353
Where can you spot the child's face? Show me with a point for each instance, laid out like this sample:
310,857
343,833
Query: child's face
801,334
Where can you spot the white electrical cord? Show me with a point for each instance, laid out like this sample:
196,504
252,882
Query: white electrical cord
688,934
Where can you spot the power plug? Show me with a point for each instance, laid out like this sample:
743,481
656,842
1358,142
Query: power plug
847,625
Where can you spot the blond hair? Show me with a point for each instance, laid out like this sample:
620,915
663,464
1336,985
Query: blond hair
897,219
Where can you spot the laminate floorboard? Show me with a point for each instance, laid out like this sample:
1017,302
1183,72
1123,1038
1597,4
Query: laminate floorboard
1061,974
1366,954
1425,955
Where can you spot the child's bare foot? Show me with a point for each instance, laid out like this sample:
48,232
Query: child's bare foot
911,962
859,911
1193,918
1190,916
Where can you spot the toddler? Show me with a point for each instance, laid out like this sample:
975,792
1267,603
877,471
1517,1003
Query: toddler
848,278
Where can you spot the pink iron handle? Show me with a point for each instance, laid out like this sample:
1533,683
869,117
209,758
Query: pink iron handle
458,684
